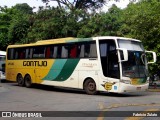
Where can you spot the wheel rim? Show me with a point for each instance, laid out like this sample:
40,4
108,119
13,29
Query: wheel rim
20,80
91,86
27,81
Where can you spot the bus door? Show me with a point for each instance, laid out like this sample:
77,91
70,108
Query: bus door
109,61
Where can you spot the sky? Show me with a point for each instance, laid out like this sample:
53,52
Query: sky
37,3
32,3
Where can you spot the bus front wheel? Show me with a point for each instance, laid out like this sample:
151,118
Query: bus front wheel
90,87
20,80
28,81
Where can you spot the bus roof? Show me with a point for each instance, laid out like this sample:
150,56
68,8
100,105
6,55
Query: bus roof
56,40
115,37
68,40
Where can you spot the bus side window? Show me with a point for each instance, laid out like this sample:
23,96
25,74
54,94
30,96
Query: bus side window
10,55
29,52
51,51
48,52
93,50
22,54
64,53
39,52
87,50
54,52
59,51
73,51
16,54
81,51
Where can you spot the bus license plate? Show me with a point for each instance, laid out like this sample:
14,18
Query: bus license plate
138,88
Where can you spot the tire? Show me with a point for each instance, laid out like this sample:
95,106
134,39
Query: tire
20,80
90,87
28,81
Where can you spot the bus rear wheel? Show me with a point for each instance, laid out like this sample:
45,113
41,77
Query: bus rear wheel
20,80
90,87
28,81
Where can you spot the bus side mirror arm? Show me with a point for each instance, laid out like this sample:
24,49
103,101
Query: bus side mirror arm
125,54
154,56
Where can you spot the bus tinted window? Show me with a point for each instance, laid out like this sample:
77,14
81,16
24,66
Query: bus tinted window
48,52
65,50
39,52
88,50
16,53
93,50
59,51
55,51
29,52
73,51
10,54
70,50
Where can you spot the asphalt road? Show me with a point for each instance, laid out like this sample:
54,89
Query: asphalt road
81,106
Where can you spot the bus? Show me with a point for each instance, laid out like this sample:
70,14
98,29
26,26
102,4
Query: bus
2,65
106,63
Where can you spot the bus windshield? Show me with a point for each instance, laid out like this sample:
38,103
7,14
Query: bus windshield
135,67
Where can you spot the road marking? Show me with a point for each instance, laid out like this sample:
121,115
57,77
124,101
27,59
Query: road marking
104,109
101,115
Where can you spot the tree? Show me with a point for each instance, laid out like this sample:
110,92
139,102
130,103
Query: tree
19,24
79,4
23,8
5,19
103,24
55,23
141,21
48,23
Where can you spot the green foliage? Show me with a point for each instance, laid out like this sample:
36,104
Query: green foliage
14,24
103,24
79,4
56,23
5,19
141,21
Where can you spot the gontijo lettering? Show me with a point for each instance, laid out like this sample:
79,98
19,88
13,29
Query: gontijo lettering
35,63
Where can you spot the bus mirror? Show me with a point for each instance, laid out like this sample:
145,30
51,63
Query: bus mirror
123,54
154,58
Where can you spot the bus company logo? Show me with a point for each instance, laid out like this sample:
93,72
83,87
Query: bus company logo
35,63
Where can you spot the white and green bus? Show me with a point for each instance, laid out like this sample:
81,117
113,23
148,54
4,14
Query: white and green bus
111,64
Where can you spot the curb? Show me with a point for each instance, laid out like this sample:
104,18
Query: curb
153,90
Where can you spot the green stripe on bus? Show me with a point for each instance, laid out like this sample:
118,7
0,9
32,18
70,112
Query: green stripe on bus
67,70
55,69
